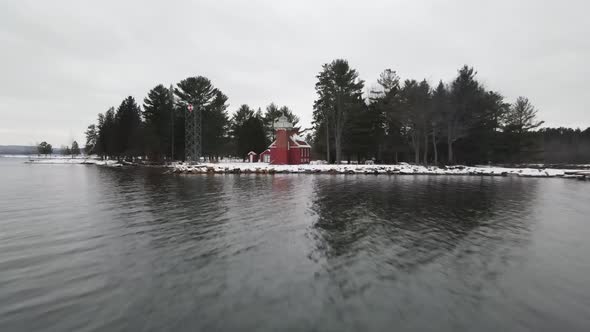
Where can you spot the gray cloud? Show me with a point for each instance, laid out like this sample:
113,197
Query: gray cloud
62,62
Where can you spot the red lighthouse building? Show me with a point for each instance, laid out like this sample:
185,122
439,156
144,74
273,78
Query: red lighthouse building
288,148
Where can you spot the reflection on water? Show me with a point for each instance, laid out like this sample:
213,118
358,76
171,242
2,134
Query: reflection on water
95,249
417,219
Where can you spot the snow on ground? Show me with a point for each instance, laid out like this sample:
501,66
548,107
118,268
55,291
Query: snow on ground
15,155
73,161
265,168
48,157
363,169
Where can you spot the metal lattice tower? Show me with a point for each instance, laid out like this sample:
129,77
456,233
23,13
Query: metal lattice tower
192,135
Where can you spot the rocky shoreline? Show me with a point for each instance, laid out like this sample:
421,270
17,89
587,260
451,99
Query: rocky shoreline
400,169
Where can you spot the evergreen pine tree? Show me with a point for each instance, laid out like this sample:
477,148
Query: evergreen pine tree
157,112
248,131
91,140
205,98
339,91
127,128
75,150
66,151
520,119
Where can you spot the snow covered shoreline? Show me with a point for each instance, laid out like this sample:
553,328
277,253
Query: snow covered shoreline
72,161
401,169
265,168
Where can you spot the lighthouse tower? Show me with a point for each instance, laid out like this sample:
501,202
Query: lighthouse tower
281,149
288,148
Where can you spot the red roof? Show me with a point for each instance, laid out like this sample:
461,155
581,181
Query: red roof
294,142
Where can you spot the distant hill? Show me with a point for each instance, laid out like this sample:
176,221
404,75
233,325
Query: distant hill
18,149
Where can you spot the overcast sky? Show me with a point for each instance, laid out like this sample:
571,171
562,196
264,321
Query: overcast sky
62,62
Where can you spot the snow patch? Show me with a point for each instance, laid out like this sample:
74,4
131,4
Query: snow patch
402,168
73,161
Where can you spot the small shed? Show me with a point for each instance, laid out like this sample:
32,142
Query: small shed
264,156
252,157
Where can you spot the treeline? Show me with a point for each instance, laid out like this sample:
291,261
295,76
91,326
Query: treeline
74,150
156,131
451,122
460,121
562,145
45,148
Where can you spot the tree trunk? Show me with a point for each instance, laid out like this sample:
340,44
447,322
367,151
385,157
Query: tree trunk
450,145
434,148
425,148
171,123
338,126
416,145
327,141
338,147
451,157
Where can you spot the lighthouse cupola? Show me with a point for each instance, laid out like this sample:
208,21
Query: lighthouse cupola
283,123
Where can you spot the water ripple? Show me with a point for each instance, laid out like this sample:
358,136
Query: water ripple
98,249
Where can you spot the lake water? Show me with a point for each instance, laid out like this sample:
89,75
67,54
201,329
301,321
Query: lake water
85,248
